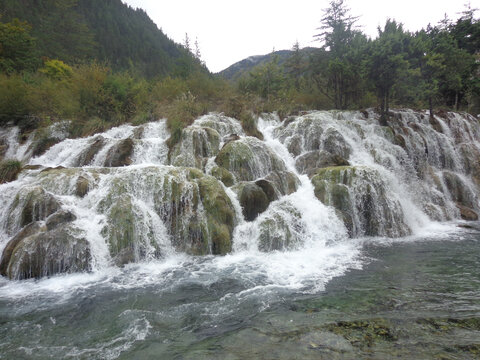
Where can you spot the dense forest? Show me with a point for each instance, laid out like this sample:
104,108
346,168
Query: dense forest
102,63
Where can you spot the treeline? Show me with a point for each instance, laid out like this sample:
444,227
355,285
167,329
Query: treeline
435,67
111,65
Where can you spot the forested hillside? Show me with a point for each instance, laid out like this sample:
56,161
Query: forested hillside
437,66
76,31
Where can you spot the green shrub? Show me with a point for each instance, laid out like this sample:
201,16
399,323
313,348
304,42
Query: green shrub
9,170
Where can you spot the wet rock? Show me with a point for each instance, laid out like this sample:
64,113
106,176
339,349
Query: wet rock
61,250
59,218
309,162
231,137
253,200
268,188
120,231
333,142
361,197
88,155
459,190
223,175
249,159
27,231
466,213
280,228
120,154
284,182
220,214
81,186
31,204
195,146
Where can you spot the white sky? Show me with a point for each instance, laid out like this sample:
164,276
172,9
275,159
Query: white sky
229,31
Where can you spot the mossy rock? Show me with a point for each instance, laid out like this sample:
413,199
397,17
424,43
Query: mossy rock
284,182
195,146
29,230
120,154
62,250
309,162
280,228
31,204
334,142
9,170
237,158
223,175
362,199
252,198
220,214
249,159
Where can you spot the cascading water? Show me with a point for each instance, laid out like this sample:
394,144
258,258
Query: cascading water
119,210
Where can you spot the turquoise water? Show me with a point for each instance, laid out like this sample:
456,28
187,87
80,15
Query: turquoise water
414,298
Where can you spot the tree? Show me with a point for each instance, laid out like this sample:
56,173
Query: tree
186,43
17,47
386,63
294,65
197,50
337,34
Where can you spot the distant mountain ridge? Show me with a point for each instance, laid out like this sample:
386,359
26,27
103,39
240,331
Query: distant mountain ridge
236,70
107,30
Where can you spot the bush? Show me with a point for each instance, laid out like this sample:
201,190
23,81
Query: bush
9,170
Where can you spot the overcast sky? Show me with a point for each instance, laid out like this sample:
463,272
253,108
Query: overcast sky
229,31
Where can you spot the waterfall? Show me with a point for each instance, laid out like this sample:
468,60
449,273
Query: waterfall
317,182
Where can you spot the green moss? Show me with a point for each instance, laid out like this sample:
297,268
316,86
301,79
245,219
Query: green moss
223,175
220,214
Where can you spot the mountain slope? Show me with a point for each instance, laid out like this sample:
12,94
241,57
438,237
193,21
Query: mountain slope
108,30
235,71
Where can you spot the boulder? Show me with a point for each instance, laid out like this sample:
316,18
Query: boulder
466,213
249,159
61,250
81,186
87,156
220,214
253,200
309,162
196,145
223,175
120,154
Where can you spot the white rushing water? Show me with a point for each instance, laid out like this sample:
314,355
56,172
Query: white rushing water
412,184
